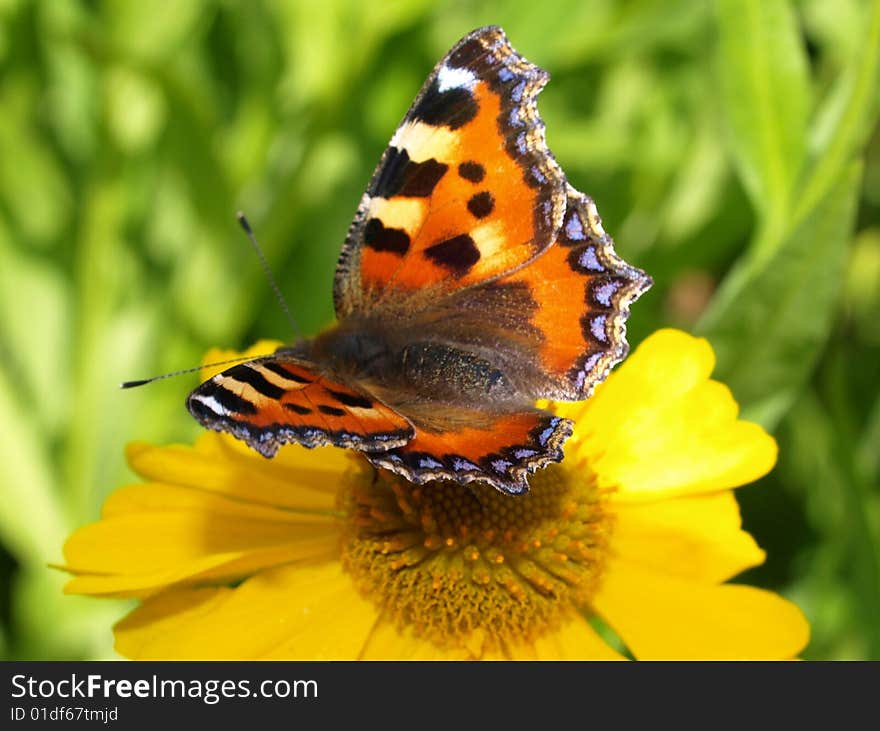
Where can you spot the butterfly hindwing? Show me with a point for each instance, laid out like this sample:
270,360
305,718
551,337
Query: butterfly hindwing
499,449
466,191
272,401
580,292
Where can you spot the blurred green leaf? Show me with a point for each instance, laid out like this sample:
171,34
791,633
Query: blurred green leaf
846,118
841,586
135,109
35,322
73,100
766,93
867,451
32,183
31,524
862,533
146,33
771,317
862,283
768,339
697,190
833,26
76,628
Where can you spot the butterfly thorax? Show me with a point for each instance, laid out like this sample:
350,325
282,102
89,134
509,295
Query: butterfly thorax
368,354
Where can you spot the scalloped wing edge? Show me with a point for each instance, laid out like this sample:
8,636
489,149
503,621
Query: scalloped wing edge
506,470
608,261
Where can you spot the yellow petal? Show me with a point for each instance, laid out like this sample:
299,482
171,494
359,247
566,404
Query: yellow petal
697,538
157,497
575,640
306,613
217,568
296,477
155,535
388,642
659,428
667,365
660,616
139,636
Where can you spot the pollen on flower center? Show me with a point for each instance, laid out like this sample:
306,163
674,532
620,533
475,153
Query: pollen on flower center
448,560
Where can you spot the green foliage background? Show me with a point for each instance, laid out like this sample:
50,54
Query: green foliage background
732,149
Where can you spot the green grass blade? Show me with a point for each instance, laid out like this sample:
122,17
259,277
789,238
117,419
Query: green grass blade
770,335
847,117
32,523
766,98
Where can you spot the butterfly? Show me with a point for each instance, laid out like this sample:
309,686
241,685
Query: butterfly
474,281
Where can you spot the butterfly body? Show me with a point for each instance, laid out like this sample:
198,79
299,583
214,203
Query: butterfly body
474,281
404,369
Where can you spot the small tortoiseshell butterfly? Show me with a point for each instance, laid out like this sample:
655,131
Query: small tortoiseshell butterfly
474,281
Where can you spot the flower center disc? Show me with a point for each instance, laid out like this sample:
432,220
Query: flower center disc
447,559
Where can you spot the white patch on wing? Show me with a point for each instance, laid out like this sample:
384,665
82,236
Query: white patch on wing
405,213
211,403
489,239
425,141
276,379
450,78
366,413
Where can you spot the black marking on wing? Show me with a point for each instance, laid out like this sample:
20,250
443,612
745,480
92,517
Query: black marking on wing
451,108
469,51
279,369
199,410
256,380
346,399
232,401
481,204
472,171
457,254
379,238
331,410
401,176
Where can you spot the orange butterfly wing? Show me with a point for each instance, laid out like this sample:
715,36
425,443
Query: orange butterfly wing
466,191
474,274
271,401
581,292
501,449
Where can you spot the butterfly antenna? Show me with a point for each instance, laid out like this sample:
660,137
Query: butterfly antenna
242,220
145,381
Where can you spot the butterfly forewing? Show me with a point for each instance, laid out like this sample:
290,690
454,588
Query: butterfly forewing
272,401
466,191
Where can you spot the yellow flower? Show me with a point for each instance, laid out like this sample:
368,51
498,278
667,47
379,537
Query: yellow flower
621,548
